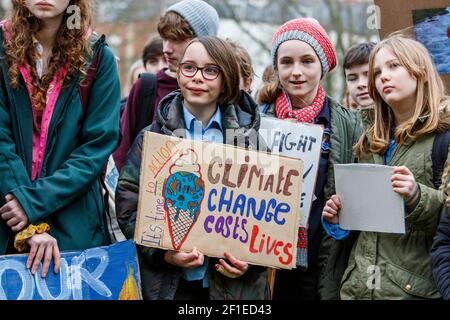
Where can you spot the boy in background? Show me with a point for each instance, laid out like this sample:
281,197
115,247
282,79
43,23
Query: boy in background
356,70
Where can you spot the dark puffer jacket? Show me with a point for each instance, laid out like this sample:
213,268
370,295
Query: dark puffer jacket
440,255
160,279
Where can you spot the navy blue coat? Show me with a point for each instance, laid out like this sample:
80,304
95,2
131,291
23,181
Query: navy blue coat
440,254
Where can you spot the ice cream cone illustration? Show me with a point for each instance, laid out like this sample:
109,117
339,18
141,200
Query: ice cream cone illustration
183,194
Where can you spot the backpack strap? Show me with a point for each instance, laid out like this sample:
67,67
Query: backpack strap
85,90
439,156
86,83
147,100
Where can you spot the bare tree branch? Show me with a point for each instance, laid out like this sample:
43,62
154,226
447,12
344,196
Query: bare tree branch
238,20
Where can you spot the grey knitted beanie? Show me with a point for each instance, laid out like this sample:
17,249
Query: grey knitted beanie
201,17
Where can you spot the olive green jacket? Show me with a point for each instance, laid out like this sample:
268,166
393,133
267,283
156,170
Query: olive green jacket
399,265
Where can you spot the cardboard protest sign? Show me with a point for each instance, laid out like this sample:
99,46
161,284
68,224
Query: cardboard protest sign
300,141
428,21
103,273
370,204
219,199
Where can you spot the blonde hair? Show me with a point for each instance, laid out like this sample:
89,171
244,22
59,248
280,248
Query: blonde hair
428,115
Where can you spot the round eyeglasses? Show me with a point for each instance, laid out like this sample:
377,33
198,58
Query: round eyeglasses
209,72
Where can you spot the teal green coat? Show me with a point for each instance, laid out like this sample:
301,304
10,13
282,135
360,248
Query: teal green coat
67,195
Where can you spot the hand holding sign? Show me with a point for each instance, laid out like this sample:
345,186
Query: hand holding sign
43,246
237,269
331,209
189,260
405,184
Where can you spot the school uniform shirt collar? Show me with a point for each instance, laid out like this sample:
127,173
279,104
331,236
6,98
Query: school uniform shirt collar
194,128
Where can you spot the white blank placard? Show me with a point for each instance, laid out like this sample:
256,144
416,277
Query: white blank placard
368,201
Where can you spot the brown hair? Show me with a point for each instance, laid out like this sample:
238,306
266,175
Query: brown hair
172,26
269,91
71,46
268,74
152,50
244,59
358,54
429,116
222,54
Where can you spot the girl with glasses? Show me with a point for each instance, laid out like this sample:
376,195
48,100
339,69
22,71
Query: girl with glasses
209,106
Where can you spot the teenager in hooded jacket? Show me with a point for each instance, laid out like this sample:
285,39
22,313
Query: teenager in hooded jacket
209,106
52,148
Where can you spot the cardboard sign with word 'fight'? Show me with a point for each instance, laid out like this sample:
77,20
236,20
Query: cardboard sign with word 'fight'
301,141
219,198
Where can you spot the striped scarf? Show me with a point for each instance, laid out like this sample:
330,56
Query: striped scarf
307,114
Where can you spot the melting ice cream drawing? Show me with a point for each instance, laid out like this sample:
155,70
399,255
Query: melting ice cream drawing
183,193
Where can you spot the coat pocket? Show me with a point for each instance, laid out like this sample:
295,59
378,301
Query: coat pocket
13,178
347,273
411,283
347,287
100,205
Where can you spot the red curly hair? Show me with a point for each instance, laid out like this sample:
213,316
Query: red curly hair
71,47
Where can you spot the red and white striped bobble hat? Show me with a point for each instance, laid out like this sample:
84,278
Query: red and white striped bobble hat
310,31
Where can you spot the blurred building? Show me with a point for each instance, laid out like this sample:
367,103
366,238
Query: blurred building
127,24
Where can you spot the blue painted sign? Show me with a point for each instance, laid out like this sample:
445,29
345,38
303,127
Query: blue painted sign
102,273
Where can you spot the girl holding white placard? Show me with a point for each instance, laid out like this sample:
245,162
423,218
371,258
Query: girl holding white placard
410,111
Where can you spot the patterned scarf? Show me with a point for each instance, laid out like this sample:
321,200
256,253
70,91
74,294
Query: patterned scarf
308,114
